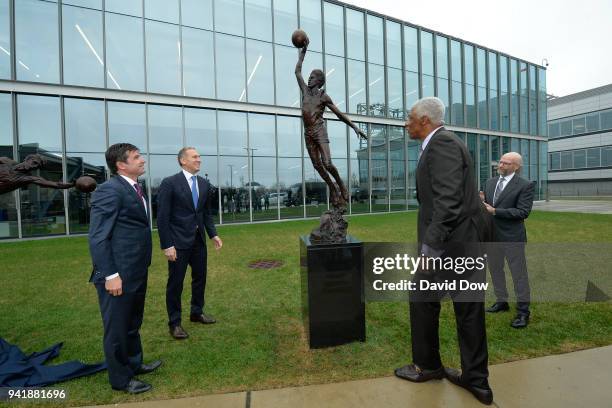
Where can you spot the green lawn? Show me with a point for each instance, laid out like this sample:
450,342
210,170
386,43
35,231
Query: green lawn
259,340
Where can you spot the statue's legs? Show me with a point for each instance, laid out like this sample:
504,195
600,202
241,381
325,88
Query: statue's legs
329,166
315,153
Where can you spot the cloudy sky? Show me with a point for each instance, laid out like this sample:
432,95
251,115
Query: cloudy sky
574,36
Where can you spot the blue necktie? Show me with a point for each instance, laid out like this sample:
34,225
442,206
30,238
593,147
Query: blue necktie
194,191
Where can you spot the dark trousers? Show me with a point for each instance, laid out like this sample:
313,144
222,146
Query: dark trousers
514,252
196,258
122,318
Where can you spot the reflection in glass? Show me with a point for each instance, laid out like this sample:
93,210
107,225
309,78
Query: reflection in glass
356,86
316,190
198,63
165,129
359,176
524,89
230,67
160,167
334,29
5,40
127,124
229,17
443,95
289,136
428,86
412,89
201,130
395,106
79,204
233,177
483,118
504,94
380,182
376,91
259,19
85,125
42,209
130,7
290,167
411,49
8,209
197,13
376,48
287,91
394,44
441,57
493,94
335,85
232,133
95,4
208,170
470,106
355,45
427,56
124,52
484,161
163,58
82,46
260,73
162,10
261,135
468,62
285,21
413,154
533,103
36,41
542,103
514,102
457,103
310,21
397,159
262,152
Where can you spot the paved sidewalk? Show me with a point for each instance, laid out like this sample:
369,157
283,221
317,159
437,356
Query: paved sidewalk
593,207
579,379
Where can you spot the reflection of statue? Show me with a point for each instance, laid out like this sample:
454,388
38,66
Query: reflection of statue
14,175
314,102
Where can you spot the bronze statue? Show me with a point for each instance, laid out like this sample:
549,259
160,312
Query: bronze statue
15,175
314,102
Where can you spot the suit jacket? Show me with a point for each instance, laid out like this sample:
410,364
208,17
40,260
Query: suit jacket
449,206
119,234
177,218
511,209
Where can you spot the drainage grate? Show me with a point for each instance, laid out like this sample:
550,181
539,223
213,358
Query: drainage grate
265,264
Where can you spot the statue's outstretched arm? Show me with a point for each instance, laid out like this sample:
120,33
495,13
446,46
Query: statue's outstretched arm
298,67
344,118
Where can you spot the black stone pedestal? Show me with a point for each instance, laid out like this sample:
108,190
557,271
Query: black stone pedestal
332,286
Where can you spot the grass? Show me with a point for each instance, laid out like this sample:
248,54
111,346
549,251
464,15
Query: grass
259,340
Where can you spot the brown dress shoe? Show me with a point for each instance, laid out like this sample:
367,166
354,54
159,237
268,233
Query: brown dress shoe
178,332
202,318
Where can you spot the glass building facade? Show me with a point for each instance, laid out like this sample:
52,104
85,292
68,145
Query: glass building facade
79,75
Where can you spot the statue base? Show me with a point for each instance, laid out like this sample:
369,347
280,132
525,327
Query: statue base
332,229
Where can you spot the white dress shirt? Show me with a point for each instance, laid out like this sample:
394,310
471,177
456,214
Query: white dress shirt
426,141
506,181
188,176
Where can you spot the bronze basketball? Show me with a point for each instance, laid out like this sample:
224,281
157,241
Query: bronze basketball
85,184
298,38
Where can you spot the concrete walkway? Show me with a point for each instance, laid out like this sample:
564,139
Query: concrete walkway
592,207
579,379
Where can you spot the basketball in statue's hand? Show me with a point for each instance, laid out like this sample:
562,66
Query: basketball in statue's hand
85,184
299,38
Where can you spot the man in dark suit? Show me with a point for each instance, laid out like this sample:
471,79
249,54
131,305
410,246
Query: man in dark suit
509,198
120,246
450,223
183,214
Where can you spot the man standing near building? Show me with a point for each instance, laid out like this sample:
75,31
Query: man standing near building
120,247
509,198
183,214
450,215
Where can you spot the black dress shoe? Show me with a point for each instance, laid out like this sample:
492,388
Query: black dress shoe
498,307
135,386
484,395
202,318
520,321
178,332
148,368
414,373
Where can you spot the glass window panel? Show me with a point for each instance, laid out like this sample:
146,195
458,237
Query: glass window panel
444,96
42,209
259,20
526,154
356,87
232,133
355,35
95,4
481,67
77,165
376,50
208,170
163,58
579,159
504,94
516,145
376,90
553,129
198,63
233,179
285,21
334,29
336,131
427,57
263,166
606,156
394,44
413,149
457,103
230,67
472,146
411,49
201,130
287,90
524,88
533,161
578,125
533,103
542,102
262,135
514,99
483,118
593,159
566,127
555,161
165,129
456,61
85,125
130,7
442,57
229,17
592,122
310,21
470,106
316,190
160,167
335,85
124,52
412,89
260,73
162,10
468,62
494,108
428,86
82,37
289,135
492,70
290,195
484,161
397,158
5,40
380,181
359,177
36,41
127,124
606,119
505,145
8,209
495,150
197,13
395,108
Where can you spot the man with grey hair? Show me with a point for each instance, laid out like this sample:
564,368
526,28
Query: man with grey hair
183,214
509,198
450,222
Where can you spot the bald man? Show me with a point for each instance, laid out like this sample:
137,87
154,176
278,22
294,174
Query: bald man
509,198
